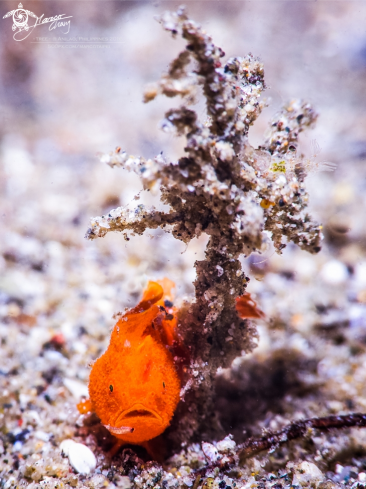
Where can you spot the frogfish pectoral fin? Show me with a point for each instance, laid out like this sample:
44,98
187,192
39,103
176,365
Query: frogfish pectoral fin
247,308
84,406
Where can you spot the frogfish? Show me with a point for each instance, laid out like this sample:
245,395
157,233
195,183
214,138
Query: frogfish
134,386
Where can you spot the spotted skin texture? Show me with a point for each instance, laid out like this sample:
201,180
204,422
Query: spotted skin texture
134,387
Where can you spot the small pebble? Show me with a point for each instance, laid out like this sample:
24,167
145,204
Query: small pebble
41,435
17,446
77,388
307,474
334,272
123,482
81,458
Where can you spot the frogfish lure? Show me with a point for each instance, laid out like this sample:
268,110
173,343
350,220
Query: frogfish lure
134,386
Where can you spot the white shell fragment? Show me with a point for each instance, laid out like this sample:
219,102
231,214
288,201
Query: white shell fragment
226,445
81,458
210,452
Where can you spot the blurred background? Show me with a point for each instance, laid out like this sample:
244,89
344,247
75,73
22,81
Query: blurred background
61,104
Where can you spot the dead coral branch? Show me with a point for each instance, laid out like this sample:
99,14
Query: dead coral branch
222,187
299,429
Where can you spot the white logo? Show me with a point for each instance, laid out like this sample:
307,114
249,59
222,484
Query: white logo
21,18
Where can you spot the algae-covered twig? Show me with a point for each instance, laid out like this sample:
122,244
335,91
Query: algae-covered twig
272,441
299,429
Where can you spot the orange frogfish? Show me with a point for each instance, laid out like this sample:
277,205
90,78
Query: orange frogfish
134,386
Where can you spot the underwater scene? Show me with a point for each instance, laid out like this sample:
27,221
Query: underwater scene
183,244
